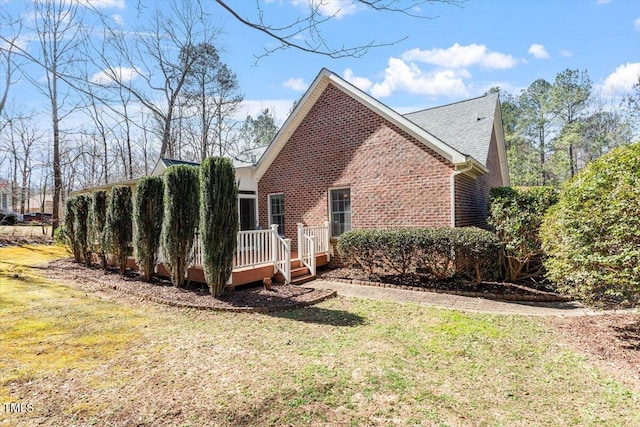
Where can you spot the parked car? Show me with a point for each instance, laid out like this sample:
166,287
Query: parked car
10,218
38,216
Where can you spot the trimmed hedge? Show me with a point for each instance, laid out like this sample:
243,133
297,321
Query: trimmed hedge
148,209
592,236
80,228
181,216
218,220
118,226
515,215
440,252
69,225
98,218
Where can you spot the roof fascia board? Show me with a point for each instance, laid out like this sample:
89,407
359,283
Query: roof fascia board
500,142
106,187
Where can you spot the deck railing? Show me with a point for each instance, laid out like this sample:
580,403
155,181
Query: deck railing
254,248
282,250
259,247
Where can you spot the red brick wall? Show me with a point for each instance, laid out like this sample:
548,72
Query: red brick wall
395,181
472,195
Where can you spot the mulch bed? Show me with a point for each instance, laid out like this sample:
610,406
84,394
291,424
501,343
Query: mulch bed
17,240
244,299
488,290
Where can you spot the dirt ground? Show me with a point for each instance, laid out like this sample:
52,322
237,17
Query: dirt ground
610,341
25,235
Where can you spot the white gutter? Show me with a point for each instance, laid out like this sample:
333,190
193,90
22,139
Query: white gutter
469,166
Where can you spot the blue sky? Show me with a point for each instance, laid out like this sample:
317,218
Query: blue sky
459,53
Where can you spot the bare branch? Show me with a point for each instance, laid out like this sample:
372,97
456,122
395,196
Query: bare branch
288,35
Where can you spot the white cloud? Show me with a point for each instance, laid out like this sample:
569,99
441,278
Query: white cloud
622,79
104,4
636,24
336,8
408,77
117,19
361,83
565,53
295,84
105,77
538,51
603,1
458,56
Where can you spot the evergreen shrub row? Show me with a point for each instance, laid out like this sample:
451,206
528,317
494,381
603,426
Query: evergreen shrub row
440,252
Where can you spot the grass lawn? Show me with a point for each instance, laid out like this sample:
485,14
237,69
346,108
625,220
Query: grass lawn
105,359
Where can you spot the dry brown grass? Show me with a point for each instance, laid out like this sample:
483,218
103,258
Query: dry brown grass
102,358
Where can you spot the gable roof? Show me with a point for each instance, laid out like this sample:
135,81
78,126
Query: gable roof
465,125
165,162
462,161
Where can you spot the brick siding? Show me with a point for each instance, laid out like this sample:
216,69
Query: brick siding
395,180
472,195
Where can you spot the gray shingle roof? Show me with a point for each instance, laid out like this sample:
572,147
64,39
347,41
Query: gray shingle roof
248,157
172,162
465,126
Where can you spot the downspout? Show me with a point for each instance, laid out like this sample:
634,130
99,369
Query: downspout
453,189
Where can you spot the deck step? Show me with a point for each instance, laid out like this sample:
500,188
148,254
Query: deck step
297,272
300,280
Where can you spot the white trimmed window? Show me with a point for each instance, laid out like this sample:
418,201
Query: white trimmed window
340,210
276,211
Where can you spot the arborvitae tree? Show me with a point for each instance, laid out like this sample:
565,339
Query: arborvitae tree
181,193
118,224
98,218
218,220
69,225
80,234
148,209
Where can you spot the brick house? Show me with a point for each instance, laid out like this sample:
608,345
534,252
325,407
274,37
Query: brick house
344,157
343,160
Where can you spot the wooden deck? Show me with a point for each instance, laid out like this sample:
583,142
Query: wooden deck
256,273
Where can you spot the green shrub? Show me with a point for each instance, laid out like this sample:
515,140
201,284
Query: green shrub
181,208
118,226
148,210
81,214
440,252
97,221
360,248
591,238
477,253
69,224
515,215
218,220
61,237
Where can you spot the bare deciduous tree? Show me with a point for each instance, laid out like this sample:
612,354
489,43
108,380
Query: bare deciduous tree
152,68
57,24
305,33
